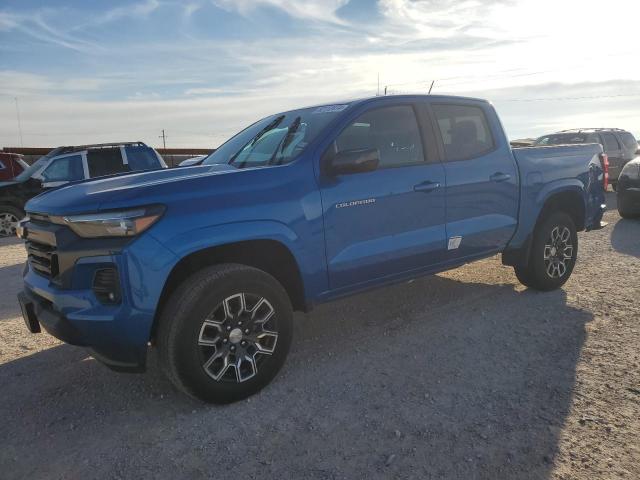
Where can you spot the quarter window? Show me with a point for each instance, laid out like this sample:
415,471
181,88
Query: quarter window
464,131
629,141
393,131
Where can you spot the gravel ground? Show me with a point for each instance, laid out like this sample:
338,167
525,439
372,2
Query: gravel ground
462,375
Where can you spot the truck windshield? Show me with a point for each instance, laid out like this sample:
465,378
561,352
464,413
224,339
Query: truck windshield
275,140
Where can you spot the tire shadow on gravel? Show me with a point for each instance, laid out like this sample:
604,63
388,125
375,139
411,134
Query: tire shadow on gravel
436,378
625,237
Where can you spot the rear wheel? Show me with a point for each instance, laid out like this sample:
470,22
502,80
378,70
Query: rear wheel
225,333
9,218
553,254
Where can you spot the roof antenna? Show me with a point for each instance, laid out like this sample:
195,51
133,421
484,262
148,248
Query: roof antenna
432,83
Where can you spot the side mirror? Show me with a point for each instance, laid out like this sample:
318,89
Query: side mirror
354,161
638,151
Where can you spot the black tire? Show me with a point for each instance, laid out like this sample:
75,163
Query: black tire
547,274
183,337
6,212
624,211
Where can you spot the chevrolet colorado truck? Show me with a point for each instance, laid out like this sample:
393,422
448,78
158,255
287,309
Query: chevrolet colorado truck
207,263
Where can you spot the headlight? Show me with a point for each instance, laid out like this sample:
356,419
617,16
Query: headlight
123,223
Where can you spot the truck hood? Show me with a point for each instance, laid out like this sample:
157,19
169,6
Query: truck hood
94,195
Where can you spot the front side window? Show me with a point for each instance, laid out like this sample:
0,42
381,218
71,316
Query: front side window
107,161
65,169
610,142
393,131
464,131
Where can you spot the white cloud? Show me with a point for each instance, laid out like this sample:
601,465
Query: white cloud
317,10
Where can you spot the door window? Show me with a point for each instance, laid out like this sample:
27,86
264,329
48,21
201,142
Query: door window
610,142
464,131
65,169
393,131
107,161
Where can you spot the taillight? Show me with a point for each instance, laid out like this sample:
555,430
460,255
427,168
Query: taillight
604,161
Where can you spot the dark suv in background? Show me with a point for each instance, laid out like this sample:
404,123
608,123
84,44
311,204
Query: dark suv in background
63,165
619,145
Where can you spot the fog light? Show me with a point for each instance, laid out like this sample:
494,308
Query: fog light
106,286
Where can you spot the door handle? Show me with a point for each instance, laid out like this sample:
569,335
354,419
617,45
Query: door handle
500,177
426,187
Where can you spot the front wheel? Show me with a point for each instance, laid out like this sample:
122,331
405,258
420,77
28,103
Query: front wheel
553,254
9,218
225,333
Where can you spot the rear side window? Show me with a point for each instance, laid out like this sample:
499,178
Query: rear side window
610,142
393,131
464,131
106,161
142,158
65,169
629,141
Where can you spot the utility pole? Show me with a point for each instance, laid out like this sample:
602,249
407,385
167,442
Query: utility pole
164,139
19,123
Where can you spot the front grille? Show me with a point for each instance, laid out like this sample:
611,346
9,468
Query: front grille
42,258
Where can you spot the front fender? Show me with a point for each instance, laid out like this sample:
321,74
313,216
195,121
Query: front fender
310,263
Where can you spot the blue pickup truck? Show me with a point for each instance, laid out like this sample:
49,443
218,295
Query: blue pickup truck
207,263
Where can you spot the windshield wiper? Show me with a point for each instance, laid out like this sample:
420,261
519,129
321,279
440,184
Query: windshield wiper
286,140
270,126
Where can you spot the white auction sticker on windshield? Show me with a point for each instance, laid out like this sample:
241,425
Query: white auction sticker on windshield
330,109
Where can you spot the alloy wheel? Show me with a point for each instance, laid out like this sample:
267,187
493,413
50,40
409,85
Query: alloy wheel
237,336
558,252
8,224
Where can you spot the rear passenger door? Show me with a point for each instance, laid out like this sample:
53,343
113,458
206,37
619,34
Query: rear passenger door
482,192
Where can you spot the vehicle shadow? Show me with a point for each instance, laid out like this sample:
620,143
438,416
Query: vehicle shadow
625,237
436,378
11,281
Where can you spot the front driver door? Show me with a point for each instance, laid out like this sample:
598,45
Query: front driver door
389,221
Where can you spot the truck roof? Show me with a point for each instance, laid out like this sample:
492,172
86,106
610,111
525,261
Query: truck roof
593,129
356,101
92,146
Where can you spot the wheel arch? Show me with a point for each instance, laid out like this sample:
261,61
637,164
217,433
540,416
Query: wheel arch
569,199
268,255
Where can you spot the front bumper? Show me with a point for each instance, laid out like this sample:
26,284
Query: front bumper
117,334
